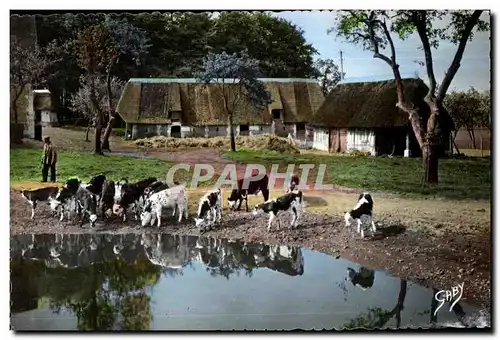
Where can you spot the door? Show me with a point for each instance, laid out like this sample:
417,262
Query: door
38,125
175,131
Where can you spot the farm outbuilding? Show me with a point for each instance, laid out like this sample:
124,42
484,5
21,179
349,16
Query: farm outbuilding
188,108
364,117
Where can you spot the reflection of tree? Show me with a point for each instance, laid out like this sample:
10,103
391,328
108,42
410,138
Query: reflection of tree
136,313
378,317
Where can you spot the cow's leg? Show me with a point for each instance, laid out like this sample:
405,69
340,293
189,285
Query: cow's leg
246,202
33,207
374,228
174,210
158,212
83,218
272,216
265,194
181,212
294,219
360,229
186,210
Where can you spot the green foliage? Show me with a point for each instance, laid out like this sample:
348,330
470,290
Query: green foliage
470,109
328,74
460,178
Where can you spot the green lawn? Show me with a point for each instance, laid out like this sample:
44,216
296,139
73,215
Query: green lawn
459,179
25,167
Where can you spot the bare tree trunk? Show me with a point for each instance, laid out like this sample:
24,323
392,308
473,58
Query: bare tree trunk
88,130
231,131
454,143
111,120
434,304
473,137
98,131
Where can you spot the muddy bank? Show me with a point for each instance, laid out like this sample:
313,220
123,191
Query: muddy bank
438,262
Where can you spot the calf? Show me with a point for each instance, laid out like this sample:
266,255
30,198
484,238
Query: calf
95,184
254,187
288,202
65,197
363,207
175,198
294,182
86,205
131,194
106,200
39,195
155,187
210,208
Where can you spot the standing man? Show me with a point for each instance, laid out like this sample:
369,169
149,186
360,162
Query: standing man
49,160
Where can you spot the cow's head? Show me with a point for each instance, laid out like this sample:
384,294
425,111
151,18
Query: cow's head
55,205
93,220
199,222
146,218
234,199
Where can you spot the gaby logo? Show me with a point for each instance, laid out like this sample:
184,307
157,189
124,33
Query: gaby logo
455,294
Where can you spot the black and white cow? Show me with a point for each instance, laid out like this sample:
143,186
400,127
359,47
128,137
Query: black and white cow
294,182
118,189
86,205
363,279
363,207
106,200
155,187
131,195
39,195
289,202
65,198
209,209
173,198
254,188
95,185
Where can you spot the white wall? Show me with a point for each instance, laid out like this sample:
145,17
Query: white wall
361,140
321,139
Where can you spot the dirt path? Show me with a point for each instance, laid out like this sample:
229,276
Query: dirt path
425,242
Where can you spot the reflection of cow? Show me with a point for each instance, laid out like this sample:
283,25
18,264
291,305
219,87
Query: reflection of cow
364,278
237,255
171,251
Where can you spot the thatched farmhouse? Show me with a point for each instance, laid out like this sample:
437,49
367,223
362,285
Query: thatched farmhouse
187,108
364,117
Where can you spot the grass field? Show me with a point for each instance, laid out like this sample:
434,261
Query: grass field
459,179
25,167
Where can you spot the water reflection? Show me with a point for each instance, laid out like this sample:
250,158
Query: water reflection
103,279
153,282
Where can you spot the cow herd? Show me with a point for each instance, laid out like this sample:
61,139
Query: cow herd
147,199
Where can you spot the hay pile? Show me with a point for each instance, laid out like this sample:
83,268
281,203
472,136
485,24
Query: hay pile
266,142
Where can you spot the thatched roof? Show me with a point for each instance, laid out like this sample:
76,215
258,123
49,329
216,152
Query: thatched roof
369,105
149,101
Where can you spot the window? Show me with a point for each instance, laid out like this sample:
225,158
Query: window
300,131
217,129
276,113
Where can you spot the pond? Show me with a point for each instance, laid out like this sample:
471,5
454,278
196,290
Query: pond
172,282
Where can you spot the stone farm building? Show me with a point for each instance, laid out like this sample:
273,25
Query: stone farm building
363,116
187,108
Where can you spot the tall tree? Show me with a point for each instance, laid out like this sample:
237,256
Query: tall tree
235,77
81,100
278,44
328,74
28,66
372,30
100,48
469,110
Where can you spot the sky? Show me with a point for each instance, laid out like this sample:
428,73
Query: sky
359,65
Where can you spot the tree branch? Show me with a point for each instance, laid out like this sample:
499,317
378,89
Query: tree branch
455,64
419,19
